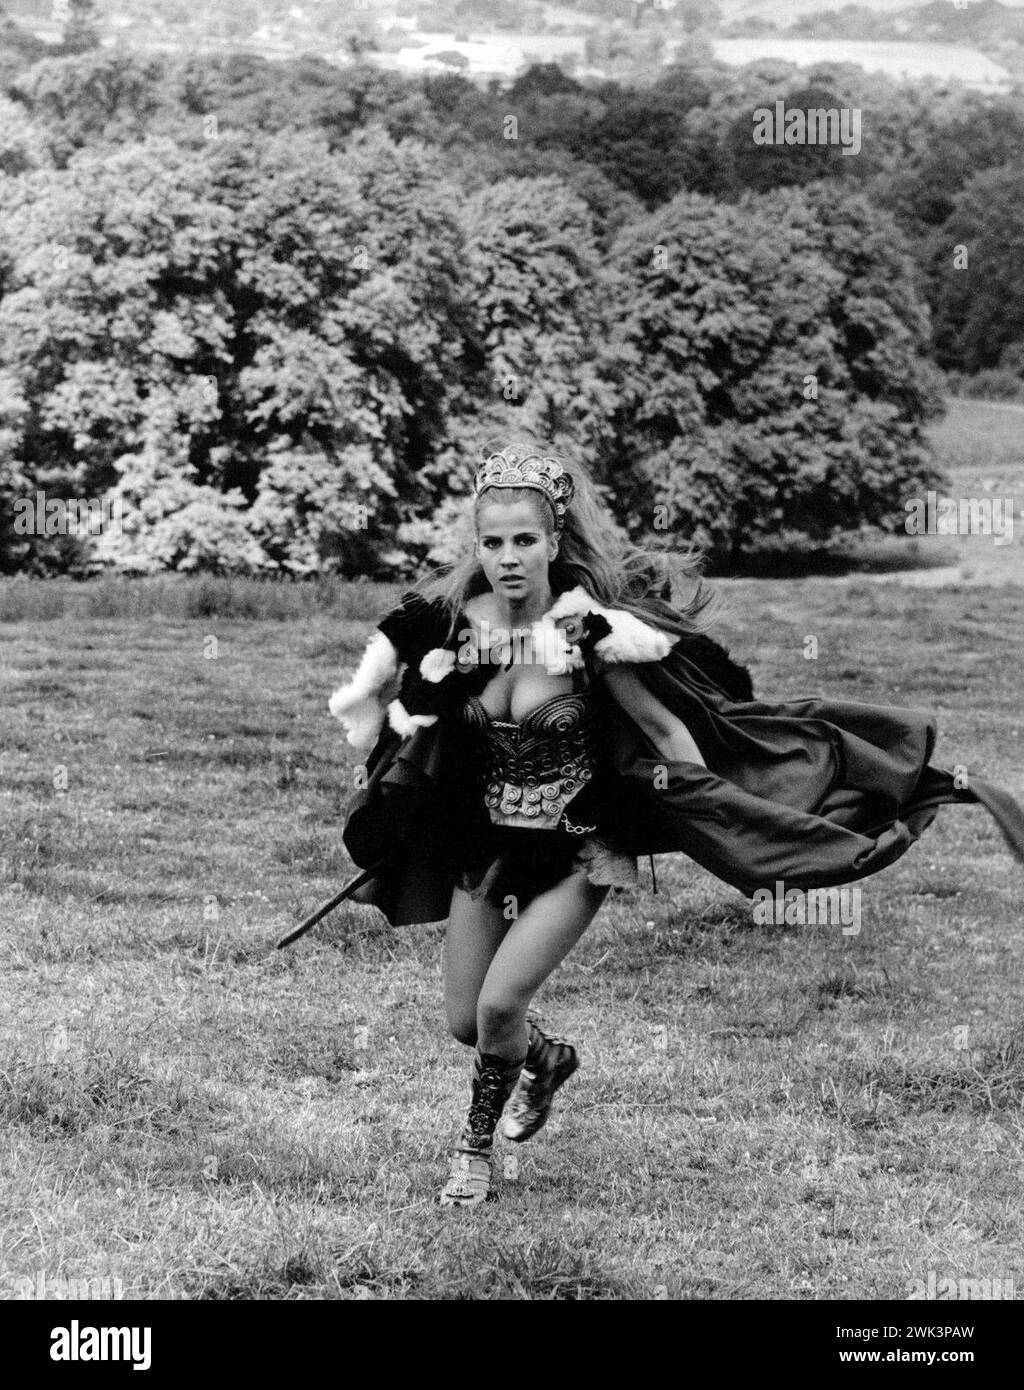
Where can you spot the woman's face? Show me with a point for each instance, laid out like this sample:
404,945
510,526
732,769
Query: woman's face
515,550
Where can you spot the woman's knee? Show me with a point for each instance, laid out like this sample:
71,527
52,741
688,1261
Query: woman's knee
497,1013
462,1026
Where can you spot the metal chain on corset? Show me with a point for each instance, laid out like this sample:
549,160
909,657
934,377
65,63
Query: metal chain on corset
577,829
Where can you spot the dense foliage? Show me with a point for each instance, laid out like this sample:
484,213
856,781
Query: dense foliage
273,309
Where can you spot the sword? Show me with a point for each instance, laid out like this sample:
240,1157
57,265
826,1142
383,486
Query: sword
329,906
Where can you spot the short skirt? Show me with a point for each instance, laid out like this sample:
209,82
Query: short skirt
519,863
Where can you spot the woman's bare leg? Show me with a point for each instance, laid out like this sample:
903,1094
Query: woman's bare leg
498,966
475,931
533,946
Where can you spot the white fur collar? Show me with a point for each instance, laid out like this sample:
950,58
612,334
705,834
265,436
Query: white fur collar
549,646
371,695
630,639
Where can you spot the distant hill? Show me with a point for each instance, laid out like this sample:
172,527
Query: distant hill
625,39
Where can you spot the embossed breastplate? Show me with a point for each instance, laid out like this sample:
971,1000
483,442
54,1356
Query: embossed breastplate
532,771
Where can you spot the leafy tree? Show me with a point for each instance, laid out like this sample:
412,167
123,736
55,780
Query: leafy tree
638,142
121,97
542,80
92,97
22,144
767,359
245,298
531,271
762,167
250,326
170,522
980,134
977,292
528,369
101,328
610,207
463,115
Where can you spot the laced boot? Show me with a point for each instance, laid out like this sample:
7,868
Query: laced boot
470,1181
549,1064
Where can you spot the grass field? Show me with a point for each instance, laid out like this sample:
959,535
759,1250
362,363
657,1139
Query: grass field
762,1111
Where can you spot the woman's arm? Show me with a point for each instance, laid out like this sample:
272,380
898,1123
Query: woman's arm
669,735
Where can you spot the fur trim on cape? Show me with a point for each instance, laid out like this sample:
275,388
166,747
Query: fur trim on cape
360,703
630,639
405,723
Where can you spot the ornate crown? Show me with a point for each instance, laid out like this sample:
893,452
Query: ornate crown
512,468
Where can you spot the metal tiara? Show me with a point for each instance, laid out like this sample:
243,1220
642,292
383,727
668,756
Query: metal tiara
511,468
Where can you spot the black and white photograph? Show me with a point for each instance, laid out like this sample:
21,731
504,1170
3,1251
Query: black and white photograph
511,667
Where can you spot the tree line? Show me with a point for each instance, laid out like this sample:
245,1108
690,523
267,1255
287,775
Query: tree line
271,310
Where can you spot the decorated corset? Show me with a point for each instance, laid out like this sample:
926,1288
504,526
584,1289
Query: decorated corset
530,774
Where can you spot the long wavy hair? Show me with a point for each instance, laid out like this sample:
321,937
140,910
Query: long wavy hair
594,554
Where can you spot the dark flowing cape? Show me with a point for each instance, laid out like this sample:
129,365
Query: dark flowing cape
811,792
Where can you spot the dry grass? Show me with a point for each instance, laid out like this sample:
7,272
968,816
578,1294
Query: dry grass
762,1111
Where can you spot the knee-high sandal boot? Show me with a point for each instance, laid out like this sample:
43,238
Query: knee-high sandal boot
549,1064
494,1079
